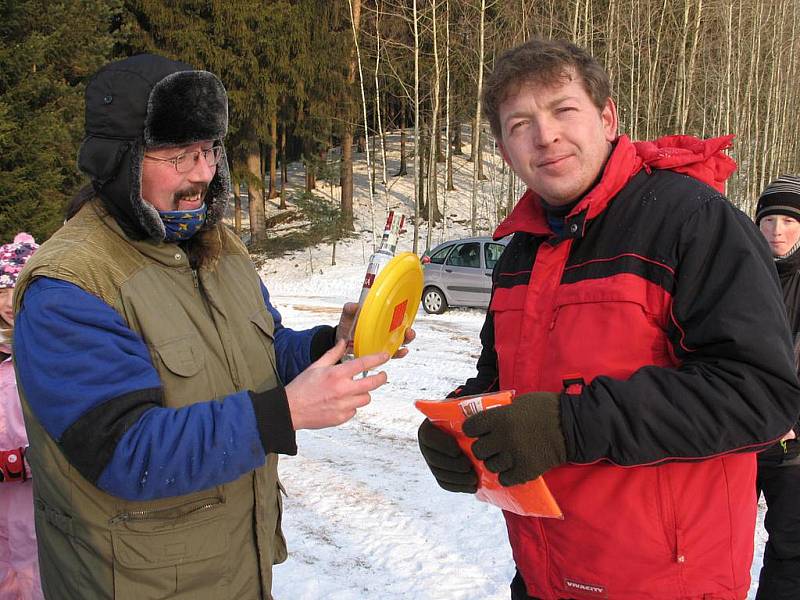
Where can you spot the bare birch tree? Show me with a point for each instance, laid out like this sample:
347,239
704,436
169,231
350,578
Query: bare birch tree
476,124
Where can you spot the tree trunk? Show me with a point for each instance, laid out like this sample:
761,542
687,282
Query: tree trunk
417,149
273,156
439,154
237,208
311,178
370,186
258,233
346,179
476,130
434,216
449,159
422,163
378,108
284,170
346,164
457,143
449,187
403,170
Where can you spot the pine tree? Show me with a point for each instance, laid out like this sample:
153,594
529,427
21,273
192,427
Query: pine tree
49,50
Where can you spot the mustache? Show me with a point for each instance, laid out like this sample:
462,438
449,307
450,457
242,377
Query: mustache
189,192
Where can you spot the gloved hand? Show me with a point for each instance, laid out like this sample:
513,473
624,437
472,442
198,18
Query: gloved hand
12,465
519,441
450,466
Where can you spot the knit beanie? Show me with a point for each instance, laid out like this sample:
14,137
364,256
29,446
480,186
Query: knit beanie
780,197
13,257
148,101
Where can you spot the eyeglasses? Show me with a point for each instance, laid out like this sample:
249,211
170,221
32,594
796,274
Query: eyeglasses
187,161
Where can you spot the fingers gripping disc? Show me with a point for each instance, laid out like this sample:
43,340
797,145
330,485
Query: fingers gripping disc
390,306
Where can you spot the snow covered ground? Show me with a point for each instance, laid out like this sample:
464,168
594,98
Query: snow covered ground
364,518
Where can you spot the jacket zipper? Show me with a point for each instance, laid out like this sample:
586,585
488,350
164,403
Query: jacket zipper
195,279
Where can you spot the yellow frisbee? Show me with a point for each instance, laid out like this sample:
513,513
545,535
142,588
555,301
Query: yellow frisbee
390,306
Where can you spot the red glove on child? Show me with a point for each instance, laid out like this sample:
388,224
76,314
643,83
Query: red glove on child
12,465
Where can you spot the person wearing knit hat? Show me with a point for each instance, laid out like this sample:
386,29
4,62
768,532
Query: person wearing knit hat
13,257
778,218
19,563
158,382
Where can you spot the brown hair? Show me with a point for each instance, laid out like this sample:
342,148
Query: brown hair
544,62
81,197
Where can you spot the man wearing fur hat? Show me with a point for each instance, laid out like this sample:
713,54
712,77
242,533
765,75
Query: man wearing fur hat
778,218
158,382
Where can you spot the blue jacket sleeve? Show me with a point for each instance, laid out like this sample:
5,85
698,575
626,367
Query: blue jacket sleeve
296,350
91,384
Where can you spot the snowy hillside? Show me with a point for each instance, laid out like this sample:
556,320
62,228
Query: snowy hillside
364,518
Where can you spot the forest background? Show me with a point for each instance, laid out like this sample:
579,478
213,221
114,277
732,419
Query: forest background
312,81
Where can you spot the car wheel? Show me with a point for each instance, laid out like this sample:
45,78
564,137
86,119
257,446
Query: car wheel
433,301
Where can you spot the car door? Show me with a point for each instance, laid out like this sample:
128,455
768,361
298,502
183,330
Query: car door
433,268
463,276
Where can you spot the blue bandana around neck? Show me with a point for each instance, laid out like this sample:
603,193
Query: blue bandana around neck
181,225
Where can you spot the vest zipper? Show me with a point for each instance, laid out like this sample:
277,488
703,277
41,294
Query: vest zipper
144,515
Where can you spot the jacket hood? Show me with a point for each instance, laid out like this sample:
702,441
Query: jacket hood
704,160
701,159
149,101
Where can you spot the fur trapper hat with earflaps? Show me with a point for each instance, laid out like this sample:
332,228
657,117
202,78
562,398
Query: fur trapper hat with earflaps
142,102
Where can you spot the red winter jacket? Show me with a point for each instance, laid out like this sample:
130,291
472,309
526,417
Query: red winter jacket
658,315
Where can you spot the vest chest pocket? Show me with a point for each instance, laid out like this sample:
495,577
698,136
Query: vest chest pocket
264,322
182,355
179,362
264,330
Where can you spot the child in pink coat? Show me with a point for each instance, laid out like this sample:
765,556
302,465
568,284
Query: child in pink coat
19,565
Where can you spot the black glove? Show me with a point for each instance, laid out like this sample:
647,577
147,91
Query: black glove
519,441
450,466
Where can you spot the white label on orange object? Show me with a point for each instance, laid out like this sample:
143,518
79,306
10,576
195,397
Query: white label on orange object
471,406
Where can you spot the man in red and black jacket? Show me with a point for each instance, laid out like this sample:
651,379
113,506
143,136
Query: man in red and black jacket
637,316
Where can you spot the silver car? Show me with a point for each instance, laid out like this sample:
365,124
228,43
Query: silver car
459,273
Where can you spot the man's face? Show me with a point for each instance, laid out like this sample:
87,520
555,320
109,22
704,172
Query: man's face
165,188
781,231
555,139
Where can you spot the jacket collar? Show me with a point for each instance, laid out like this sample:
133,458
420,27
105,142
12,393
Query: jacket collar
528,215
701,159
168,254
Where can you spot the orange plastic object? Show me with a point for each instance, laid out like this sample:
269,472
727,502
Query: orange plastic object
532,498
